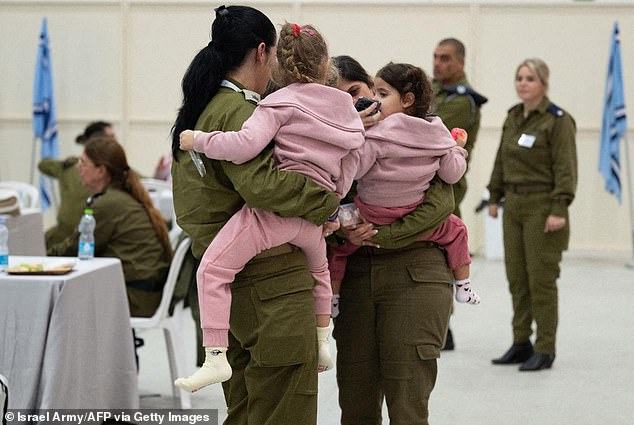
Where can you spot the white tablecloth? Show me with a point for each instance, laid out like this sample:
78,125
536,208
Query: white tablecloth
65,341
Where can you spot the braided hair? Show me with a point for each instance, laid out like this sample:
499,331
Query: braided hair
302,56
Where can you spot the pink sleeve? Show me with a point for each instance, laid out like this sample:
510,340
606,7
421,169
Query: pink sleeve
349,165
367,157
244,145
453,165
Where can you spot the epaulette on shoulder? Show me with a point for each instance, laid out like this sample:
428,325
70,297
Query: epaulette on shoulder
463,90
251,96
555,110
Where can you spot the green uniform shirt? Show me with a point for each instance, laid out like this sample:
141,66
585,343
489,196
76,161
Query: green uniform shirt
72,197
204,204
551,161
123,230
458,110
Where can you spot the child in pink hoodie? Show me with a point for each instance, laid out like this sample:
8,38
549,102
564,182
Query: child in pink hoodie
315,129
402,153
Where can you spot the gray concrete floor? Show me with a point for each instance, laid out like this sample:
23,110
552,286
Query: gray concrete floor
591,382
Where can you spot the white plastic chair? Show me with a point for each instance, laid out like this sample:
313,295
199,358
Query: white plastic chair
172,325
29,194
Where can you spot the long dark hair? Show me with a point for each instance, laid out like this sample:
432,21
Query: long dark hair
350,69
106,151
235,31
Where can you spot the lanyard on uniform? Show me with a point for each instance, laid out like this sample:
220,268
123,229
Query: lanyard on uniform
248,94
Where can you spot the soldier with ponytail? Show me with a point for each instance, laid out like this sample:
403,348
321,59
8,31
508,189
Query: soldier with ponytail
268,349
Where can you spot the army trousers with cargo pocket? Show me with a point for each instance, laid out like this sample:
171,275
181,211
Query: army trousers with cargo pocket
273,342
532,260
394,313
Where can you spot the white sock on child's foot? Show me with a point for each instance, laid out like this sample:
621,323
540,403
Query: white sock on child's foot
215,369
334,306
464,293
323,355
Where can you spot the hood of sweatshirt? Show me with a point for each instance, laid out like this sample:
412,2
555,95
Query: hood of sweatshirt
336,121
401,133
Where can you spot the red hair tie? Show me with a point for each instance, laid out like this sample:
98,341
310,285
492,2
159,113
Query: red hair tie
308,30
297,30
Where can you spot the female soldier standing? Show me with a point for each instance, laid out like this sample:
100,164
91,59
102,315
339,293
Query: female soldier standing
395,300
272,341
535,172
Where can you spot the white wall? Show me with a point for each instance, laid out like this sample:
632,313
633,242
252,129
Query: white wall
122,61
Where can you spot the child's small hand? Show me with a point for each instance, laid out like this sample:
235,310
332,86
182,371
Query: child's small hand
330,227
186,140
460,136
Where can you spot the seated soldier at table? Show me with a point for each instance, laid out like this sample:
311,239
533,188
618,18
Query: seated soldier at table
128,226
72,193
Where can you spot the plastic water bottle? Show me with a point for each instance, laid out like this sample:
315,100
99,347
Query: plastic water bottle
86,229
4,245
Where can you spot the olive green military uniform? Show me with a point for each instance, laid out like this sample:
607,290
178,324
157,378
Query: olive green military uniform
536,182
394,313
123,230
272,341
458,109
72,197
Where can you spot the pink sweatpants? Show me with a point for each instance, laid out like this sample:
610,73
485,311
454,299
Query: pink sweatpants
450,235
246,234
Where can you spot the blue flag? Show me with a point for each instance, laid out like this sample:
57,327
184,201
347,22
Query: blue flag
614,124
44,118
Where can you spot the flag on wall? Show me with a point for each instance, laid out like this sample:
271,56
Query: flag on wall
44,118
614,124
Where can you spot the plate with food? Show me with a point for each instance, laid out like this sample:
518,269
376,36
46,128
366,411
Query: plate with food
41,268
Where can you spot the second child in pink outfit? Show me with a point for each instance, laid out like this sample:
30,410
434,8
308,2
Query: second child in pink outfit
402,153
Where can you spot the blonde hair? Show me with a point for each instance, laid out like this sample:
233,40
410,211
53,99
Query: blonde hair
538,67
302,56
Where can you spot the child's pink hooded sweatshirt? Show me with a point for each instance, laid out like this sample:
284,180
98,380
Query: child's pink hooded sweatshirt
400,157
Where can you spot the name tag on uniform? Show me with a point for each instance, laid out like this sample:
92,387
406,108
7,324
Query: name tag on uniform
526,140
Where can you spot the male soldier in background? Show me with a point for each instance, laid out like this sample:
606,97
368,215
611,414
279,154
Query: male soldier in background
458,105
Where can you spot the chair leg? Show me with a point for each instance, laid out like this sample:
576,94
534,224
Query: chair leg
176,359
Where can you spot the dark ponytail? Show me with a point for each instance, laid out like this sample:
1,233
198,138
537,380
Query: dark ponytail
236,30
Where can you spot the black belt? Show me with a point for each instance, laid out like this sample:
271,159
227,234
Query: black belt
369,251
528,187
147,285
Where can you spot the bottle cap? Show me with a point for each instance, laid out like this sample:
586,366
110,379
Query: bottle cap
88,211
